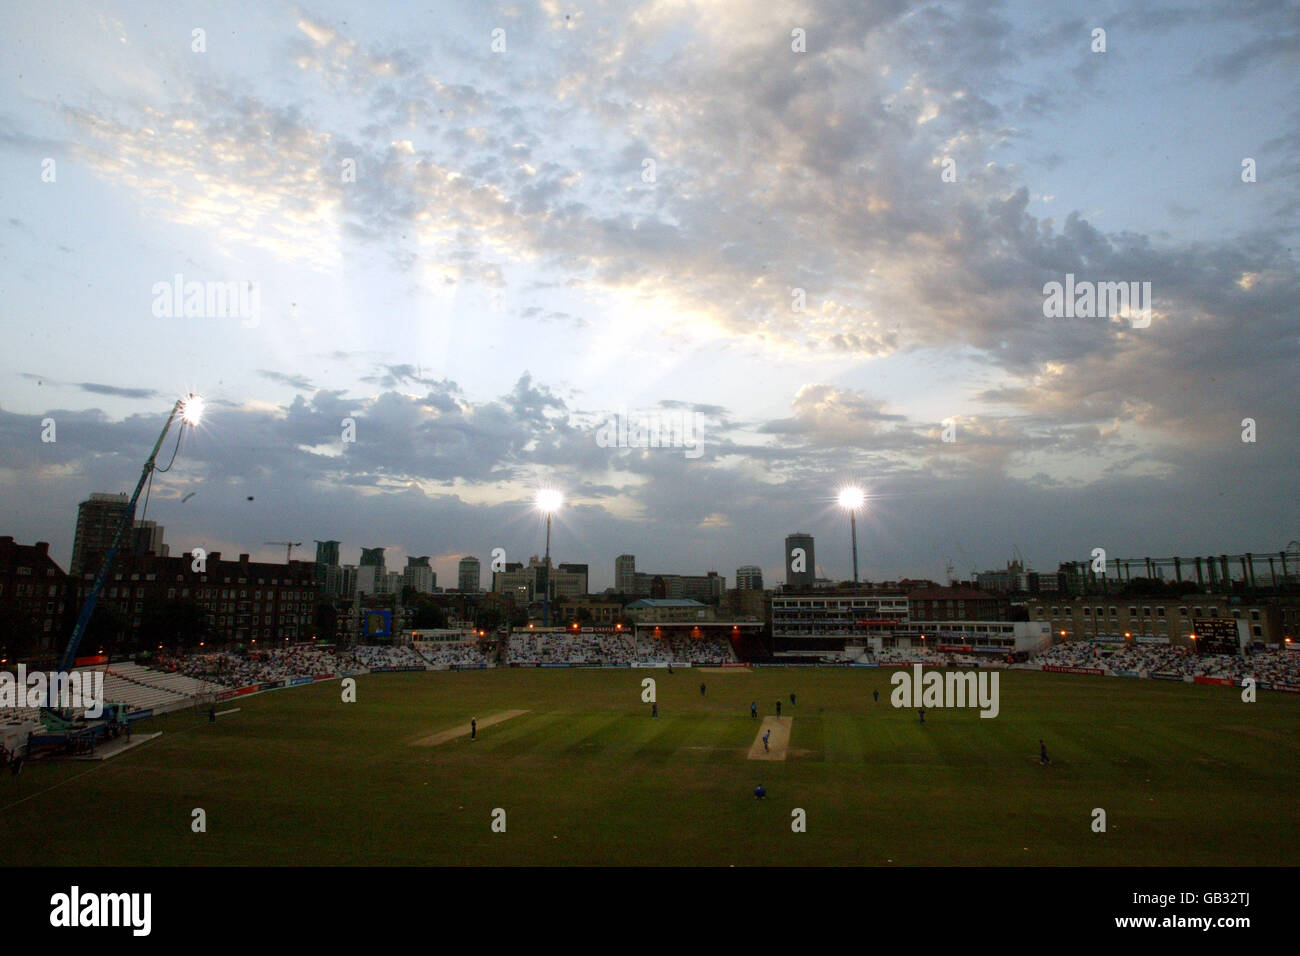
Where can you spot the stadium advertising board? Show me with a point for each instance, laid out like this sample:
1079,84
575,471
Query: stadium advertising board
1060,669
1217,681
1152,639
1165,675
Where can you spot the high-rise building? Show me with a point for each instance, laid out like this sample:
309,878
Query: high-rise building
625,573
468,575
749,578
147,538
372,575
332,580
800,561
326,574
571,581
370,579
1012,579
567,580
706,588
327,553
97,520
419,575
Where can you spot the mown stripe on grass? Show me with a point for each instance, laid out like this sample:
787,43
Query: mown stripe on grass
596,736
673,732
519,735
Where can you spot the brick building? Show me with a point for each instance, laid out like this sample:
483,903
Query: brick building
956,604
241,601
36,606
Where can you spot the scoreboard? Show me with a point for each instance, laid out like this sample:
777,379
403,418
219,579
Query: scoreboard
378,624
1216,635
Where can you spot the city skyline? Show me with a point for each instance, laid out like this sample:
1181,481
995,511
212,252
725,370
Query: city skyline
697,266
730,573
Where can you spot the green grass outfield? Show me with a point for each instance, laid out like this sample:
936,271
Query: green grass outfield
1187,775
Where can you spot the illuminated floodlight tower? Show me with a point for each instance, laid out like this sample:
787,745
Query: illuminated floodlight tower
548,502
851,500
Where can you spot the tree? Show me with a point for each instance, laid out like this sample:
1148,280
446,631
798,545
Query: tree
429,615
488,619
106,629
326,620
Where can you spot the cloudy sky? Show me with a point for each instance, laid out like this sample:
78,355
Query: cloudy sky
820,231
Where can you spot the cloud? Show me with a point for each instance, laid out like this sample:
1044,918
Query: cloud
300,382
97,389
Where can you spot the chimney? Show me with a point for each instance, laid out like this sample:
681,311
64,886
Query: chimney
42,548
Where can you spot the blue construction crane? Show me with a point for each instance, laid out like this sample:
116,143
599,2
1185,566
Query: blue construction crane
190,410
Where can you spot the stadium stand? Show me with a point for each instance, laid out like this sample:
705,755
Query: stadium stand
120,689
163,680
373,657
456,654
